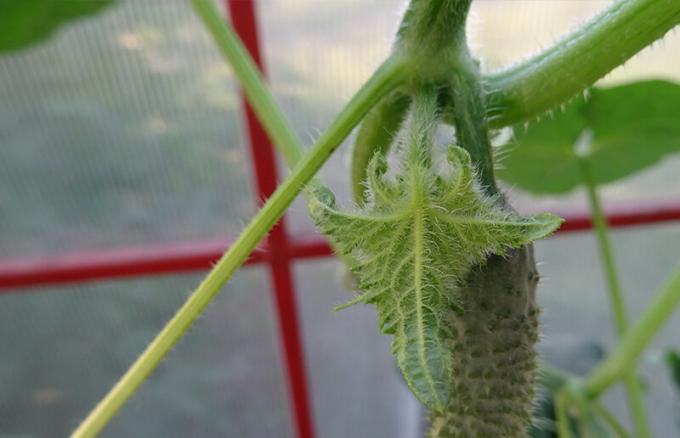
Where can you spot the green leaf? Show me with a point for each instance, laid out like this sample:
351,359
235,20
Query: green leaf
26,22
622,130
410,248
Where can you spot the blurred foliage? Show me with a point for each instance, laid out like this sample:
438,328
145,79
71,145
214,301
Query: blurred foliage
673,361
27,22
618,131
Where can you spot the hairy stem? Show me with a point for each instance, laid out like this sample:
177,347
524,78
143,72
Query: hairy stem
635,340
470,121
250,79
633,387
574,63
433,26
376,135
384,80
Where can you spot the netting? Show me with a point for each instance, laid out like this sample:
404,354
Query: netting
125,129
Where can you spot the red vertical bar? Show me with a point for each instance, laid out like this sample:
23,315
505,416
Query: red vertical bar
264,161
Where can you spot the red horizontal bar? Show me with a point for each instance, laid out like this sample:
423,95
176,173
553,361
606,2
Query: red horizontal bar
624,216
115,263
179,258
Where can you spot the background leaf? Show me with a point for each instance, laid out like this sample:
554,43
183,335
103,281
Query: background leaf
633,126
673,362
26,22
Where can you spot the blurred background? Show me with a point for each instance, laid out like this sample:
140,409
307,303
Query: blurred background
125,130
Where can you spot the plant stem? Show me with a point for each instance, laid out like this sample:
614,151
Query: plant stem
557,380
633,388
574,63
376,135
609,418
636,339
383,80
606,254
472,131
250,79
561,415
433,27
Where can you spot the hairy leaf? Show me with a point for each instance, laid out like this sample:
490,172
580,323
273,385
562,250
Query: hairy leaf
410,248
624,128
26,22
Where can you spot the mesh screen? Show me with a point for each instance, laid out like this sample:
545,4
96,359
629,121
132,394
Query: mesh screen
63,348
123,128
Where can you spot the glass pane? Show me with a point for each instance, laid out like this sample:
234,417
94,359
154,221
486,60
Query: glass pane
63,348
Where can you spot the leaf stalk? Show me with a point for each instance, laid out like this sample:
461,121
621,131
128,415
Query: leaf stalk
631,382
635,340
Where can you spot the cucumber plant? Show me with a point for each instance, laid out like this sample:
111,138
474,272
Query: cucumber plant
591,142
431,241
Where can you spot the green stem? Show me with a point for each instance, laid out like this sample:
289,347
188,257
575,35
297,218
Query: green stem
433,27
574,63
633,387
557,380
636,339
472,131
376,135
250,79
609,418
606,253
384,79
561,415
421,132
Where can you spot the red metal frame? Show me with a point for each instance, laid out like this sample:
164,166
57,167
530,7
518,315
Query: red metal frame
82,266
266,175
278,252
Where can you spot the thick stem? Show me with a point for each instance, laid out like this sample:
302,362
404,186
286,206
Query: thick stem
384,80
493,351
633,387
574,63
432,27
636,339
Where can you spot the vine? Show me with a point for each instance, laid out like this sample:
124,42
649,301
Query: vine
448,264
